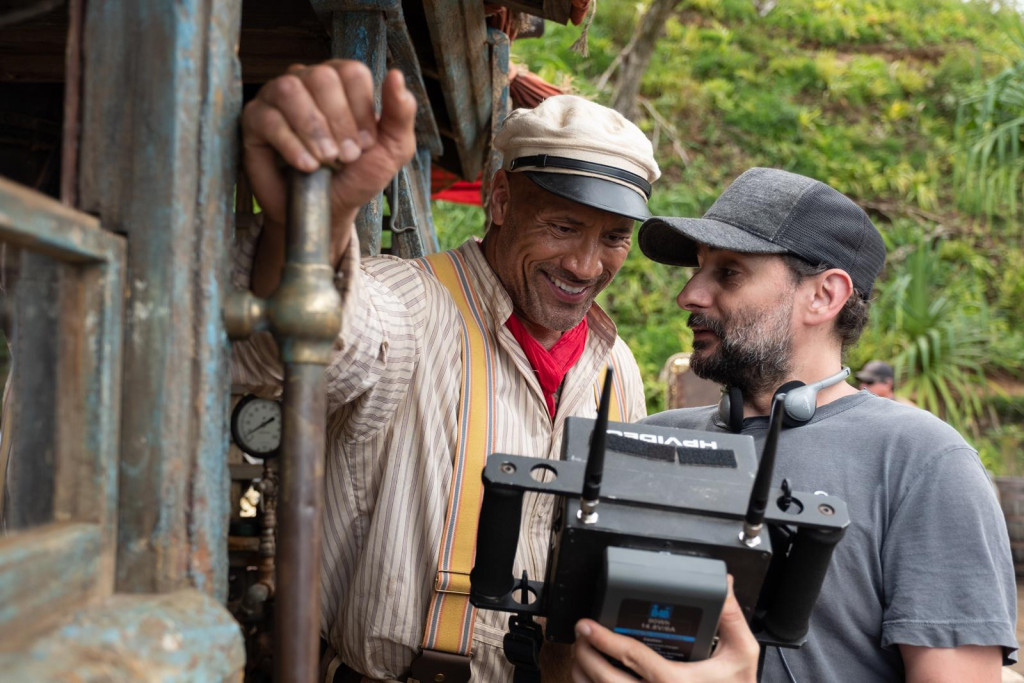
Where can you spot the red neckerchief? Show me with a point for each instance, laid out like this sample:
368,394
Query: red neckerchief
552,365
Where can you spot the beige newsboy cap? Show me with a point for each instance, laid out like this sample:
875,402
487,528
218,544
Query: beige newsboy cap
582,151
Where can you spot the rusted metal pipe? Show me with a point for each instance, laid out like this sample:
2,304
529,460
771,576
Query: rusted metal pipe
305,315
297,599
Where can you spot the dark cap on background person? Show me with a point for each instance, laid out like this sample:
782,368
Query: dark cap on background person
875,371
581,151
771,211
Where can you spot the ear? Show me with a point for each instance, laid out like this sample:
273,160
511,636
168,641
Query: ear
831,290
500,196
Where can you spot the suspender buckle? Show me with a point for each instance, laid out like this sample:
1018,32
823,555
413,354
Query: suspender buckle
434,666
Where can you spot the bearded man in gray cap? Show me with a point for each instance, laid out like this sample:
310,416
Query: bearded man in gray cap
922,586
500,335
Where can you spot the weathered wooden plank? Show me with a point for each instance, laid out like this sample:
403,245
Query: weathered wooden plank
209,511
31,434
72,104
458,34
155,118
403,219
88,402
178,637
67,374
36,222
362,35
412,227
44,573
402,55
420,167
500,99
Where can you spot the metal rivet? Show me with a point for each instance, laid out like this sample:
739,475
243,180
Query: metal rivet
438,678
826,510
506,468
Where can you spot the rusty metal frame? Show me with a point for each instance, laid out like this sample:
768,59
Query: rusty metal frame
48,571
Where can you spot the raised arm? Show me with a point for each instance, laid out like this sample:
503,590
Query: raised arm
323,115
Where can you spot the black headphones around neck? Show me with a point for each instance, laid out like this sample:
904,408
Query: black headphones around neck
799,402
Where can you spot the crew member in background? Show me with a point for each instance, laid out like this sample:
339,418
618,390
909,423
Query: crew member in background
878,377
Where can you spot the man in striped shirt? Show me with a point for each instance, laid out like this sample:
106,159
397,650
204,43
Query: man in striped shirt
575,177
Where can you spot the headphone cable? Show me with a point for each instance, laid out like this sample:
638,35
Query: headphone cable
785,665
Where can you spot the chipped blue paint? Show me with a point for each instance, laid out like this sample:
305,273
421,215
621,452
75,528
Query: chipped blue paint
464,75
44,572
362,35
210,513
163,109
35,222
58,566
501,101
421,168
176,637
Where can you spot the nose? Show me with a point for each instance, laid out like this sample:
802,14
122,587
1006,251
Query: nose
694,295
585,261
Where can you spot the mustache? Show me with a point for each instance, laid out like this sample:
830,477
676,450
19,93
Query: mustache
700,320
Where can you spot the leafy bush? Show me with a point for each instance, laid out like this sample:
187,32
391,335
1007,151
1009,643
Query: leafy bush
874,97
990,128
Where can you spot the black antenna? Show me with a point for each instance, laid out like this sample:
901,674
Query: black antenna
763,482
595,459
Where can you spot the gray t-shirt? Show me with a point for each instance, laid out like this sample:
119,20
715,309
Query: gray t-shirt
926,558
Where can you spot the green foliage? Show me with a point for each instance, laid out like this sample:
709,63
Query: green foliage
1000,449
877,98
989,127
457,222
936,333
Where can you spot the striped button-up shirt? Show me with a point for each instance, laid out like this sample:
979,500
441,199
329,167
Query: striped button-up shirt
393,389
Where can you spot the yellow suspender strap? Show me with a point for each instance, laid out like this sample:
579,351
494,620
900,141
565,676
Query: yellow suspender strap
615,404
450,618
449,626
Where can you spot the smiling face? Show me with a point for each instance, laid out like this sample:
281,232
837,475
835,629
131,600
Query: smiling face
741,314
552,255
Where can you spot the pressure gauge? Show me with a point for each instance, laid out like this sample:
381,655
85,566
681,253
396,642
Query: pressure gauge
256,426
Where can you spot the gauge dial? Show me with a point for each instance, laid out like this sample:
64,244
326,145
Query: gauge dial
256,426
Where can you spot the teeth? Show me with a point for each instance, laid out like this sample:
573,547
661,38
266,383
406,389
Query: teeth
565,287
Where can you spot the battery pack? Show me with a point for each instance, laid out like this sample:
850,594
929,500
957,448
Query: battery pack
669,602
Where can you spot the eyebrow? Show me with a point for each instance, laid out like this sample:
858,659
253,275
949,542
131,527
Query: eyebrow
568,217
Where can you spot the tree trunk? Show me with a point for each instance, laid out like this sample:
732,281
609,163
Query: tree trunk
637,55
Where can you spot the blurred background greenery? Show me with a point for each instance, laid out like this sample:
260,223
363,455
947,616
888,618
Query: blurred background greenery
914,108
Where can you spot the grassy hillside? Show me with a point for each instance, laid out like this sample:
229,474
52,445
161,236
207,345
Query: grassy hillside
865,95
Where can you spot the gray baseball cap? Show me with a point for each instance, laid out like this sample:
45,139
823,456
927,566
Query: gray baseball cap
770,211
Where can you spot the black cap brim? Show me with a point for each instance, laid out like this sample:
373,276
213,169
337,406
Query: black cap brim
605,195
674,241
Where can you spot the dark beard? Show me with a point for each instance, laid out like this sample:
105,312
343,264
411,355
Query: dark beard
753,356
